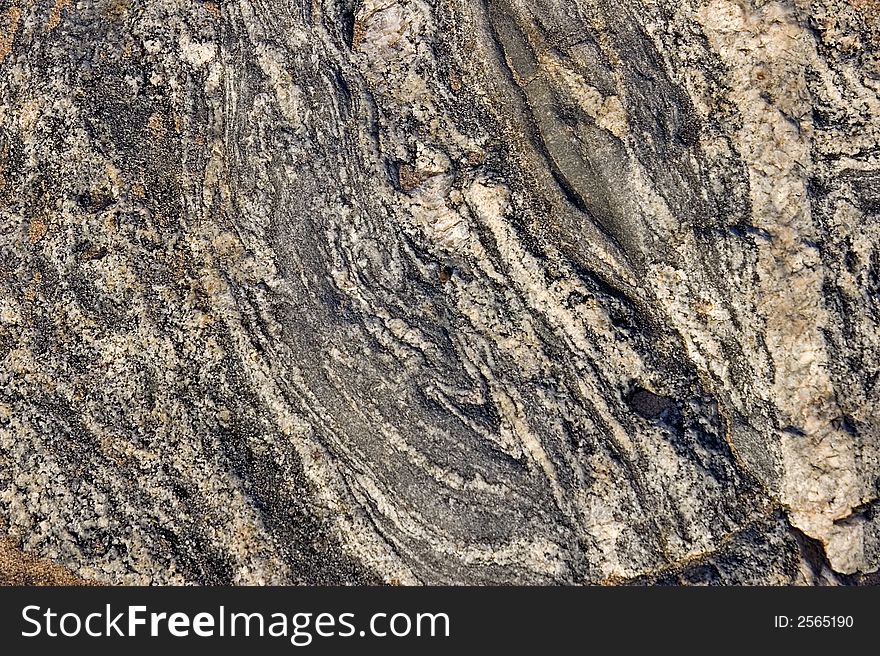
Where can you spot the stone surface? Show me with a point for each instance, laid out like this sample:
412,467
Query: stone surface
459,291
17,568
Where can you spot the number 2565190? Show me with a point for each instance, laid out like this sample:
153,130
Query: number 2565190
813,622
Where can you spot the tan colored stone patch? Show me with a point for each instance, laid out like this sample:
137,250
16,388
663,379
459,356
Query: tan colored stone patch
118,8
212,8
870,9
55,14
410,177
37,229
157,125
19,568
8,27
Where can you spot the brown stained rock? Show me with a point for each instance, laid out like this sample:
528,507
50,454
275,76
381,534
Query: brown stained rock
55,14
870,9
410,177
19,568
117,9
214,9
37,229
8,26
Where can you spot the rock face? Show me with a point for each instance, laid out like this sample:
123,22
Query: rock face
441,291
17,568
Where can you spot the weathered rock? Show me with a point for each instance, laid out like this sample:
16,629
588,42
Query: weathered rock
17,568
447,292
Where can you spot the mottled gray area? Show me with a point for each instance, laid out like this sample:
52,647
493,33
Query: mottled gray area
441,291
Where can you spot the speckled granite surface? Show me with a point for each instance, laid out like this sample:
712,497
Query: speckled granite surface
441,291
